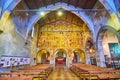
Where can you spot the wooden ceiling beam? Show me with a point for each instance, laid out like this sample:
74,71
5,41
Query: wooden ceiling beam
35,3
95,1
76,4
61,1
84,4
53,2
45,3
27,4
68,3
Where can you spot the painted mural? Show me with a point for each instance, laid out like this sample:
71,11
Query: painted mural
62,35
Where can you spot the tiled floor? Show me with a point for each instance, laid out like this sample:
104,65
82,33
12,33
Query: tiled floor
61,73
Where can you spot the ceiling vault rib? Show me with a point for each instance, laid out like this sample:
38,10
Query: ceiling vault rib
38,36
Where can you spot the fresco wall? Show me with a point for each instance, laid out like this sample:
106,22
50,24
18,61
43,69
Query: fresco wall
62,36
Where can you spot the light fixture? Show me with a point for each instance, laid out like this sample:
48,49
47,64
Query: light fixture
42,13
59,13
27,14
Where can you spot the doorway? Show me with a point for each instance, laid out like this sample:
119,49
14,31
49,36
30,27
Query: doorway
79,56
60,58
43,57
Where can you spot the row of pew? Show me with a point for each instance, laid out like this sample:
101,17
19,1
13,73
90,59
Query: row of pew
37,72
113,64
92,72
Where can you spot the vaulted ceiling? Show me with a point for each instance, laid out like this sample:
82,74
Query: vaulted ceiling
66,16
85,4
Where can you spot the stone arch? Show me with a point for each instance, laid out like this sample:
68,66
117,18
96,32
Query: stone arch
10,5
64,58
82,15
99,39
36,17
59,50
109,5
81,53
106,27
39,55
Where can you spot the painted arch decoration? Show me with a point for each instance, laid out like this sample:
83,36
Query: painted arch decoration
7,5
82,15
36,17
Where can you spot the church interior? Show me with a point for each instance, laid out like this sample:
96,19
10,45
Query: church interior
59,39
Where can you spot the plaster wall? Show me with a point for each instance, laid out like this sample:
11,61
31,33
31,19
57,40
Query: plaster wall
11,42
108,37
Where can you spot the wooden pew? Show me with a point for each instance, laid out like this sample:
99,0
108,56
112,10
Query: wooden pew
40,71
92,72
15,78
108,76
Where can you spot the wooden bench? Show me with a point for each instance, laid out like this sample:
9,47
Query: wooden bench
108,76
86,71
15,78
40,71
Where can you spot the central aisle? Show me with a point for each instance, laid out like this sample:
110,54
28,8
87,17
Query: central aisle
60,73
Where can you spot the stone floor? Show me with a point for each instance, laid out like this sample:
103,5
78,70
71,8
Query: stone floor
62,73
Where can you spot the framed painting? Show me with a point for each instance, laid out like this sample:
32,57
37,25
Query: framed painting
114,50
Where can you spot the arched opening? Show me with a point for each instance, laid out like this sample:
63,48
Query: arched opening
108,45
55,32
60,57
79,56
42,56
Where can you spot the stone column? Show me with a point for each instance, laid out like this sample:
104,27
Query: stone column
100,53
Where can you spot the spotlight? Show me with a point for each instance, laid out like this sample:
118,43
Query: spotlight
59,13
42,13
